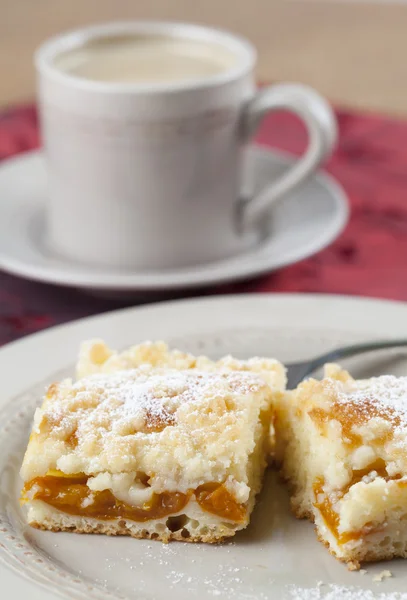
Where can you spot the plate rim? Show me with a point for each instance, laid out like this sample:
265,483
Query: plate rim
225,271
217,303
372,302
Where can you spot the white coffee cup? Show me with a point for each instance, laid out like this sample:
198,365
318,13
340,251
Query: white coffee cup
146,174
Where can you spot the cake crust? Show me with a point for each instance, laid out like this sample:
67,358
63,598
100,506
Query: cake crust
120,530
208,533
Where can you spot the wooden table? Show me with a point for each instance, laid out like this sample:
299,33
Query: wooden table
353,52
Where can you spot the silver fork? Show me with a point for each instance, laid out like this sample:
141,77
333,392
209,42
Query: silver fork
296,372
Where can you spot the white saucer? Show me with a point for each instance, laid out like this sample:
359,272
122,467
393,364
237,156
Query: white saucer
302,224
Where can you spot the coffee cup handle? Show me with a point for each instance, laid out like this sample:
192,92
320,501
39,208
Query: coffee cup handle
320,122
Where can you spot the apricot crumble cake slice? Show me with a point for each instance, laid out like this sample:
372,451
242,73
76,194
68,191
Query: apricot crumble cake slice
345,456
152,451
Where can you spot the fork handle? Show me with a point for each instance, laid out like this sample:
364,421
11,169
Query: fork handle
348,351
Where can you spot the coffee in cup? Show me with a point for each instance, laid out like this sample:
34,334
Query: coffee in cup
145,59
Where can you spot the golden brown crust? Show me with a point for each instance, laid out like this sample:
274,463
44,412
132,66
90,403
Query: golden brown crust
120,529
353,565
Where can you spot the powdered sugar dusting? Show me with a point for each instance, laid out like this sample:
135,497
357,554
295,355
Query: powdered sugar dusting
149,398
339,592
384,397
181,427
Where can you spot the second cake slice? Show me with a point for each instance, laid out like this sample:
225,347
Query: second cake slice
345,455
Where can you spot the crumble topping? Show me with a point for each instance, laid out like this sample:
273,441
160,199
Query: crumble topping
369,413
380,397
180,427
96,357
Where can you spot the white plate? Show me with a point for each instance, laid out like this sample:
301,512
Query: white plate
303,223
277,555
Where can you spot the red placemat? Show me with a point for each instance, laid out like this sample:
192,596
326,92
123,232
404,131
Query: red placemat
369,258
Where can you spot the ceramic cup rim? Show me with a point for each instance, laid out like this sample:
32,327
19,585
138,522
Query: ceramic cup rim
49,50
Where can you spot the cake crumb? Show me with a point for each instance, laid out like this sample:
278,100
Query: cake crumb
362,571
383,575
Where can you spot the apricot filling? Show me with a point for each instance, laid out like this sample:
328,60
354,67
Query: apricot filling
331,517
216,499
72,496
350,415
